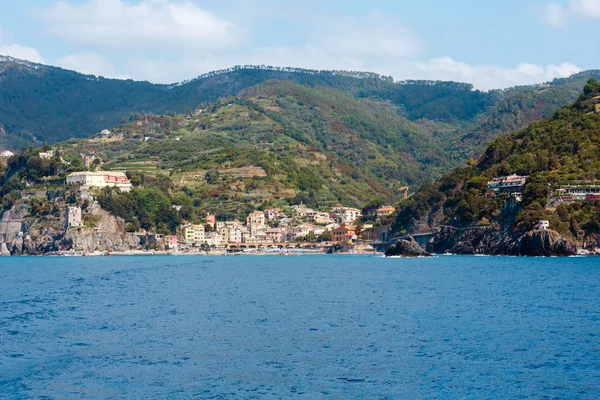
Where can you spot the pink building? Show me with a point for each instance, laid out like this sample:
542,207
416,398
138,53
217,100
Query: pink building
171,242
211,220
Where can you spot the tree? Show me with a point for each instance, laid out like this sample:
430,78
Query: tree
212,176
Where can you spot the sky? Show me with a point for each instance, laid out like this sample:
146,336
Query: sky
489,43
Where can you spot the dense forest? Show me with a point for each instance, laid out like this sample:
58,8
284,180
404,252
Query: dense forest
559,150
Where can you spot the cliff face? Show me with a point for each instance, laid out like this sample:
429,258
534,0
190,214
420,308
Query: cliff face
492,241
48,233
467,241
542,243
107,234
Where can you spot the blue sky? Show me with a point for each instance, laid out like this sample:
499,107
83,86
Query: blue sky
491,43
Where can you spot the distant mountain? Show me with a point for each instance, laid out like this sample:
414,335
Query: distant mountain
557,154
41,104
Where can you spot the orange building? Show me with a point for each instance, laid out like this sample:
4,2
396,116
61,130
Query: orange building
343,233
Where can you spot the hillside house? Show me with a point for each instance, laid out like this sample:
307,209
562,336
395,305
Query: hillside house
580,192
384,211
213,239
275,235
272,214
100,179
231,234
211,220
46,155
507,184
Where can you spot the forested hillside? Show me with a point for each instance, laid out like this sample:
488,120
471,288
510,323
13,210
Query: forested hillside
41,104
277,143
559,152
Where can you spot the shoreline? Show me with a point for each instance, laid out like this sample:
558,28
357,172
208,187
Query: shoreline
276,254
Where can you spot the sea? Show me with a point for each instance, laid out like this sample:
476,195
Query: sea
299,327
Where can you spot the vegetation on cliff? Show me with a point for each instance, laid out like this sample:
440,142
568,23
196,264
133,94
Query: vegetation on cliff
563,148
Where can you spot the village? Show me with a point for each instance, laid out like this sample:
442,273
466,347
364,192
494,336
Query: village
272,229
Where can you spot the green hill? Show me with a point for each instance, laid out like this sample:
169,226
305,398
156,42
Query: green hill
43,105
556,153
276,143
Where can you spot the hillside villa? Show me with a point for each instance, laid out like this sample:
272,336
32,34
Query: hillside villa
385,211
507,184
100,179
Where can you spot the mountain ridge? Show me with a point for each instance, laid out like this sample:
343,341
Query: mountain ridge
42,104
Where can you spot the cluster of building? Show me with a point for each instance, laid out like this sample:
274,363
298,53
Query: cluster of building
574,192
261,228
578,192
274,227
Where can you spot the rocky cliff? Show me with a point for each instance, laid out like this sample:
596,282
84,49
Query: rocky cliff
47,233
542,243
407,247
493,241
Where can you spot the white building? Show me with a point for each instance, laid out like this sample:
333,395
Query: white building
272,214
346,214
46,155
302,211
6,154
74,217
213,239
543,225
100,179
231,234
256,221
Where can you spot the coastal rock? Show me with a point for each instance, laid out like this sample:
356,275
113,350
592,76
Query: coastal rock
406,248
542,243
340,248
476,240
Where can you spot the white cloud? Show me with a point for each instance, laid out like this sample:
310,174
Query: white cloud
90,63
491,76
374,35
159,24
22,53
586,8
554,15
557,15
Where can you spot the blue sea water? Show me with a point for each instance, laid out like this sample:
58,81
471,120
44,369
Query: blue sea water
307,327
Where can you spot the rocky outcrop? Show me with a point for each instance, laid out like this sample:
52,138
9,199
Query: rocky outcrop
542,243
407,247
340,248
492,241
48,235
474,240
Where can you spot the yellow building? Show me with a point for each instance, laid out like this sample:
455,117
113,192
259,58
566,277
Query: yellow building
193,234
